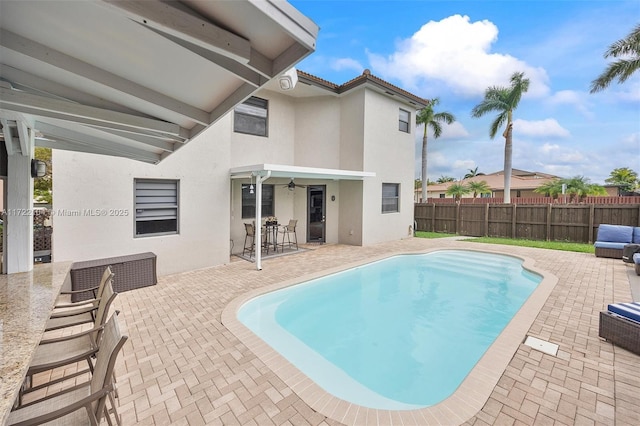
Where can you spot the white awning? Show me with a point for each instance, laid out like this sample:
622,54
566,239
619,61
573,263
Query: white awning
285,171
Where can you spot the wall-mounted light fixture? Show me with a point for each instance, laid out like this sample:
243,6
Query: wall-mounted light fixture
289,79
38,168
333,198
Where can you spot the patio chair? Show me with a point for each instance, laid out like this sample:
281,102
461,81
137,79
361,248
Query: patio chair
87,313
60,351
620,325
96,291
286,231
249,239
85,403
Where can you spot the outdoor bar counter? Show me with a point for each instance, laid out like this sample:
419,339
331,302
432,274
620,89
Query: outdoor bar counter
26,301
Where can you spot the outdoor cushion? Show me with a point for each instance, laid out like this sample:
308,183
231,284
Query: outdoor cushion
615,233
627,310
636,234
609,245
636,258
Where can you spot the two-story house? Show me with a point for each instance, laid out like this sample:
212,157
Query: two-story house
338,158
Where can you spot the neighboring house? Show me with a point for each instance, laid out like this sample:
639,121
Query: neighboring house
348,148
523,184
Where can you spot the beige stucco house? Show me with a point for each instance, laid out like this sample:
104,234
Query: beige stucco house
348,148
523,184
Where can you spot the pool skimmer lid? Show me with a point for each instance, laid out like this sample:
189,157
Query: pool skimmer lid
541,345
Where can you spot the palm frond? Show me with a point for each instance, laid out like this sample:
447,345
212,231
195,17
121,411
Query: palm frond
630,45
497,124
620,70
437,129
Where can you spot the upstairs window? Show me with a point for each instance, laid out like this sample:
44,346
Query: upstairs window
404,118
251,116
156,202
390,197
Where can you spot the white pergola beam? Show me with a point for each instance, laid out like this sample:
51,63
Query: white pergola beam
167,146
174,20
26,138
9,99
126,87
99,144
76,147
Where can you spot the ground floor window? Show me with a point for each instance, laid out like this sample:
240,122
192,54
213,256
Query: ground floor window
249,201
390,197
156,205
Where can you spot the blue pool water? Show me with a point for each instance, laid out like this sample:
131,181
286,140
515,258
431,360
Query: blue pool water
400,333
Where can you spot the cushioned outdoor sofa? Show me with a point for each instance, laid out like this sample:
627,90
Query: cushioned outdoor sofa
611,239
620,325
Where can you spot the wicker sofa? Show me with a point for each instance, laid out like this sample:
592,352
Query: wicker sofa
611,239
620,325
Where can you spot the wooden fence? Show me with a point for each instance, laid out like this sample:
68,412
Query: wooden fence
562,199
551,222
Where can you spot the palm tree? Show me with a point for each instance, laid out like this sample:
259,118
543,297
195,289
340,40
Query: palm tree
580,187
430,118
479,187
629,49
625,178
445,179
504,100
553,188
472,173
457,190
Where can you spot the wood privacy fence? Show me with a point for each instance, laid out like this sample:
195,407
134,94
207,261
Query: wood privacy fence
552,222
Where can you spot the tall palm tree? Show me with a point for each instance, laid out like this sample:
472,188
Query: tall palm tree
628,49
429,118
503,100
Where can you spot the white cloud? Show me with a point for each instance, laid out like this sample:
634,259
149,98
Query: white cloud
342,64
549,149
464,62
578,100
449,131
541,128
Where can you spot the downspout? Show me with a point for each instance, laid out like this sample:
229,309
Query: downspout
258,231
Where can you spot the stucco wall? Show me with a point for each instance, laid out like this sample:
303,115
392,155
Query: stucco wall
390,153
87,181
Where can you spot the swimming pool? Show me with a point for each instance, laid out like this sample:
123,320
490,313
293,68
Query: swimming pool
401,333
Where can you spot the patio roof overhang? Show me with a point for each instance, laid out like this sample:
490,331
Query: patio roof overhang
262,172
137,79
291,172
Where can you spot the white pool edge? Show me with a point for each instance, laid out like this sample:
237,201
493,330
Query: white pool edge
464,403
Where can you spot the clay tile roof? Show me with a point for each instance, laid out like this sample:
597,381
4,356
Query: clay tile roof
366,77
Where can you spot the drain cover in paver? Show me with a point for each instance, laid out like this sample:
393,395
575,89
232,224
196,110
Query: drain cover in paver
542,345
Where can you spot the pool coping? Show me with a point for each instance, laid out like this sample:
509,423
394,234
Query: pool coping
465,402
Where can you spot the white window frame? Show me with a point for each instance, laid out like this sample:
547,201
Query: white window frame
395,197
403,125
156,200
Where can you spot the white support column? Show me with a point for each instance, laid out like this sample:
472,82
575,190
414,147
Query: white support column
18,224
258,231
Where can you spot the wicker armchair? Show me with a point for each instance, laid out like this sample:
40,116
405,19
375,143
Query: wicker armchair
620,325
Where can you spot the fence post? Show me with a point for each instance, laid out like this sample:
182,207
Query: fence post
513,221
457,218
592,209
549,209
433,218
486,220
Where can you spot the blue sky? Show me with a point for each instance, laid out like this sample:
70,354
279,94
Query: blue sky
454,50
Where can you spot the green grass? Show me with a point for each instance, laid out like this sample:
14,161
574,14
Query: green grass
553,245
424,234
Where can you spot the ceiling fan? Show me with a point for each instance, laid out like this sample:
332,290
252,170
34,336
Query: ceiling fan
292,185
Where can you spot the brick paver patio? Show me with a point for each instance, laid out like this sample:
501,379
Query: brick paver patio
182,366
